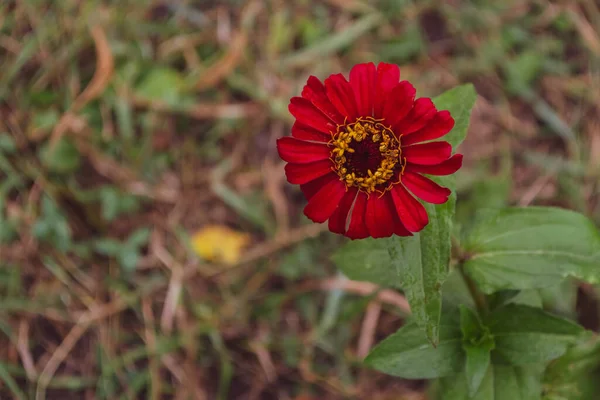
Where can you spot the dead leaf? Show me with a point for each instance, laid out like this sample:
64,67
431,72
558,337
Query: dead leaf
220,244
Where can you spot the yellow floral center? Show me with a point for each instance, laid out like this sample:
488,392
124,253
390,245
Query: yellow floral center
366,154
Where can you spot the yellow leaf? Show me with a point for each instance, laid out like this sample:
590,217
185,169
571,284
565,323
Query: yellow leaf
218,243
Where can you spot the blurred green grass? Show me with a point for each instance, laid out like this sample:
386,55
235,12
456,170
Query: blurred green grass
126,126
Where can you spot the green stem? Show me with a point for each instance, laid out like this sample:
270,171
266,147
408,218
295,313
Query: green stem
476,294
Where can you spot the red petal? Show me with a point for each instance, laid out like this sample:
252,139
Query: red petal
305,132
388,76
363,78
308,114
315,92
425,188
340,93
430,153
422,112
301,152
303,173
325,201
339,218
311,188
398,103
441,124
358,227
380,216
447,167
412,213
399,228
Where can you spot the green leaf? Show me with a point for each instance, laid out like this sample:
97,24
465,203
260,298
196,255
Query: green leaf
52,226
574,376
300,261
46,120
109,198
7,143
128,259
477,344
8,232
401,48
369,260
499,383
408,354
459,101
423,261
527,335
517,383
529,297
521,72
418,264
161,84
561,299
249,207
502,298
470,325
456,292
477,363
456,388
139,237
63,157
533,247
108,247
114,202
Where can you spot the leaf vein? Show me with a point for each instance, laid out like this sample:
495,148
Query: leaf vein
540,252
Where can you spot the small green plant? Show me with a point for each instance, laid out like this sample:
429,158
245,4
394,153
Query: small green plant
492,347
125,252
52,226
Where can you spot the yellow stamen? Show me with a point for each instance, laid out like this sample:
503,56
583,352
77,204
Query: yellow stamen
388,147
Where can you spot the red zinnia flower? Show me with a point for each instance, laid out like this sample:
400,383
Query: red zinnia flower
358,150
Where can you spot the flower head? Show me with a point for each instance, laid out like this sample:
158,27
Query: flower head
359,148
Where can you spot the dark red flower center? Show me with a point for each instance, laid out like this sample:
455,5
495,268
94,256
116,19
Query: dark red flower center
366,154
